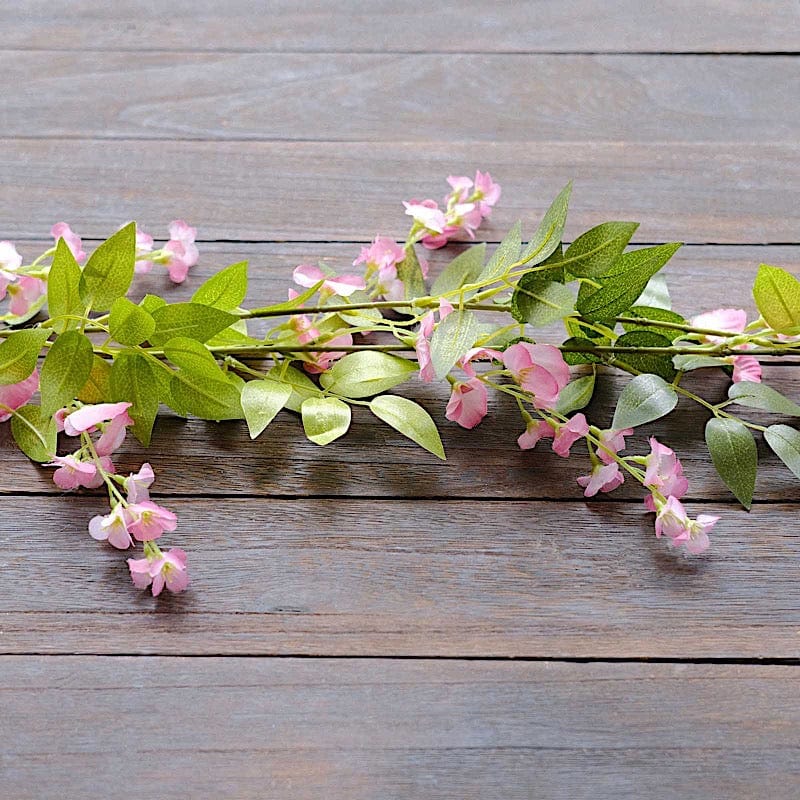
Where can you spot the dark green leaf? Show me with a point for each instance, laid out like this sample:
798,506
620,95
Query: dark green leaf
657,314
539,301
63,296
645,399
97,388
134,380
66,369
192,320
109,271
583,358
597,251
19,354
576,395
646,362
733,451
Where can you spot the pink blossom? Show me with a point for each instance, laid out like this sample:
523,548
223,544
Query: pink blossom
569,433
144,245
181,249
465,362
468,403
72,473
112,527
167,568
308,275
721,319
383,256
746,368
149,520
663,473
10,262
461,185
138,483
427,214
25,293
613,440
673,521
113,434
322,361
16,395
535,430
603,478
88,417
423,345
62,231
539,369
487,193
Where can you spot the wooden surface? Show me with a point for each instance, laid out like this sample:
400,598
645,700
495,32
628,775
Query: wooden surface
364,621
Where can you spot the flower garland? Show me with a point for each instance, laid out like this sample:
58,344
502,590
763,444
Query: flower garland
339,342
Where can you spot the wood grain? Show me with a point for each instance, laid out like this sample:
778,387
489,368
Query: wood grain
410,578
313,191
352,729
378,26
389,97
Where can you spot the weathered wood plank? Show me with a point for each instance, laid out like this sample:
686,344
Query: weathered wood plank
366,729
312,191
281,25
389,97
415,578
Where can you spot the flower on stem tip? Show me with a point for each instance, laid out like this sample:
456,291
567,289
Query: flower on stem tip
539,369
63,231
307,275
181,251
569,433
663,473
468,403
673,522
745,368
112,527
73,473
16,395
149,520
613,440
603,478
160,568
536,429
10,262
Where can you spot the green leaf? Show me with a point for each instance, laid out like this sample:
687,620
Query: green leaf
66,369
540,301
759,395
261,401
128,323
658,314
777,295
325,419
453,336
550,231
583,358
506,254
205,397
410,419
133,380
576,395
646,362
463,269
689,363
19,354
785,443
367,373
621,290
644,399
192,320
109,271
733,451
193,357
225,290
63,281
35,433
656,294
597,251
359,317
301,385
150,302
97,388
410,273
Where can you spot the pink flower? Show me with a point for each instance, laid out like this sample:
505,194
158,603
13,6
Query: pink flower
113,434
144,245
465,362
672,521
72,473
663,473
322,361
461,185
383,256
427,214
423,344
569,433
539,369
603,478
181,249
167,568
487,193
308,275
62,231
24,294
16,395
536,430
746,368
88,417
721,319
467,404
112,527
149,520
614,440
138,483
10,262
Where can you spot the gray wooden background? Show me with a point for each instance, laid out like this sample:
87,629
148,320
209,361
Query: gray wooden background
364,621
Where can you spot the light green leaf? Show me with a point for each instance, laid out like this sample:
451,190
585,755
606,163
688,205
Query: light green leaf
540,301
656,294
192,320
325,419
367,373
777,295
759,395
261,401
646,362
128,323
410,273
596,252
97,388
644,399
462,270
225,290
150,302
109,271
550,231
506,254
301,385
410,419
66,369
576,395
35,433
453,336
63,296
205,397
19,354
134,380
361,316
733,451
193,357
689,363
785,443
